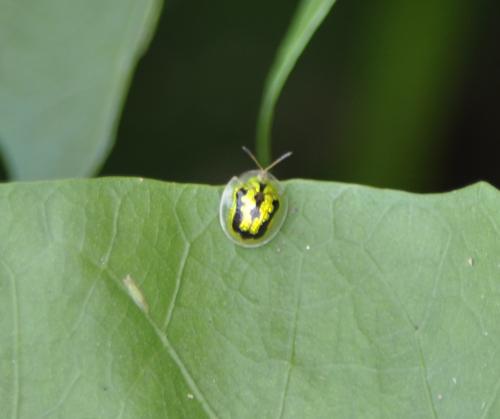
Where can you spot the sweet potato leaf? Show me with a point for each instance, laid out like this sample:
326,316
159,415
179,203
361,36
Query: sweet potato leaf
123,298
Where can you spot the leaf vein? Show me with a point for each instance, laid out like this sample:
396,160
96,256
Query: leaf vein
494,397
423,369
437,280
188,378
178,281
16,332
396,299
293,339
64,397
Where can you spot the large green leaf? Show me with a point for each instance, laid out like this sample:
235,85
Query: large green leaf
64,72
368,304
307,18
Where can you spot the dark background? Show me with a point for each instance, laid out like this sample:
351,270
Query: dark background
391,93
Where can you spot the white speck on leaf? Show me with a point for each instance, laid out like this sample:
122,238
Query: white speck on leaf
190,396
135,293
308,247
440,397
470,261
454,379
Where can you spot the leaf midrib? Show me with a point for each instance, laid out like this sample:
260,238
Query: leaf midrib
167,345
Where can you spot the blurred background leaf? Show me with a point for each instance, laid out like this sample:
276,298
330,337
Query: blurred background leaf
405,70
308,17
64,73
433,66
389,94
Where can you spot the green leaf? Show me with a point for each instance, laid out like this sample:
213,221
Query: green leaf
308,17
65,71
123,298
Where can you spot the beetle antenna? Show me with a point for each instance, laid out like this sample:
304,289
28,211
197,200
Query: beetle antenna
278,160
250,154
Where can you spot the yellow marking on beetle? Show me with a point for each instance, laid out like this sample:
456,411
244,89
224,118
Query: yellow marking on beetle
254,204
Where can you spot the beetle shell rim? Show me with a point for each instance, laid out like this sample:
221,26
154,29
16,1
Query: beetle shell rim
226,202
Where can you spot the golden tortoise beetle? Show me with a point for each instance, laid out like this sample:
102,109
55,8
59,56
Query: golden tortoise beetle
253,205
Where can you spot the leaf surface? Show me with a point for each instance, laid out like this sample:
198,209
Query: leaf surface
123,298
64,72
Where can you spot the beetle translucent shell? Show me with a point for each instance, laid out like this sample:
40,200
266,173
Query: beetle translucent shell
253,206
